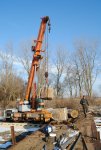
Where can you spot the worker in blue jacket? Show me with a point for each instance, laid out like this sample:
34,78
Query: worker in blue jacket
85,105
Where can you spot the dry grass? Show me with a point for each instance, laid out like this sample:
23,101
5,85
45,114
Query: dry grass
71,103
95,101
10,104
60,103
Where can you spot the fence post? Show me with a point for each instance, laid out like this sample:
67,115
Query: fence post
13,135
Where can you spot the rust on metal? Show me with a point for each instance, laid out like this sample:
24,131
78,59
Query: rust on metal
13,135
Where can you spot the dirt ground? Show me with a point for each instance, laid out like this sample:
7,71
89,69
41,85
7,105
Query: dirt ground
36,141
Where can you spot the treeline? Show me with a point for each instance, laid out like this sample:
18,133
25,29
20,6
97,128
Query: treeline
11,83
76,72
70,74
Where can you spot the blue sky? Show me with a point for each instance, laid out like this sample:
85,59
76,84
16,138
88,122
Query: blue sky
70,20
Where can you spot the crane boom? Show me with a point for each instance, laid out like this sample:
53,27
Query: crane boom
37,56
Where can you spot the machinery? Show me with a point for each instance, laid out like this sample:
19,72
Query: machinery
32,108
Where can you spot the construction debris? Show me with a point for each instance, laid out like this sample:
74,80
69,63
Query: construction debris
61,133
65,141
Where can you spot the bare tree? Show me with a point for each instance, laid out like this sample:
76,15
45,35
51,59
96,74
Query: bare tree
70,80
81,70
87,57
26,55
78,75
11,86
60,62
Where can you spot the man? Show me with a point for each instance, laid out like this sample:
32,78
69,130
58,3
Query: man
84,104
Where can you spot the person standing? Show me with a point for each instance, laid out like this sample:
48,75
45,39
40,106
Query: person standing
85,105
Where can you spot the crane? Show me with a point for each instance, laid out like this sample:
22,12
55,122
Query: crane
25,109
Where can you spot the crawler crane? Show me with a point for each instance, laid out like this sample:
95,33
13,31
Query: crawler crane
27,110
